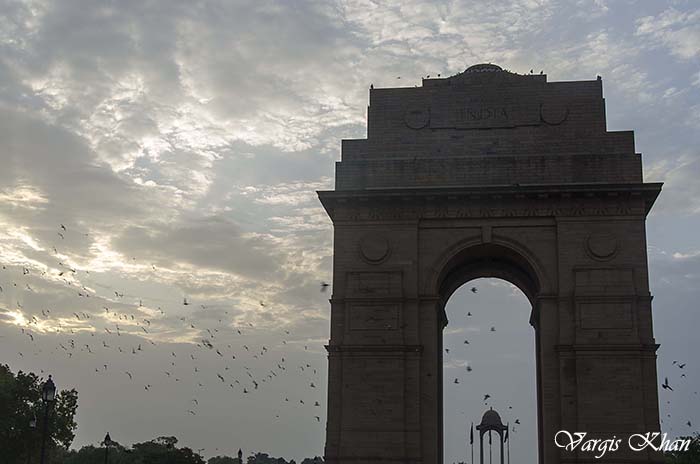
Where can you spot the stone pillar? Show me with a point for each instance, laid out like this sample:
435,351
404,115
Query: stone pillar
549,385
606,347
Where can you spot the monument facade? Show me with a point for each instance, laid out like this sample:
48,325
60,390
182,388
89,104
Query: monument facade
488,174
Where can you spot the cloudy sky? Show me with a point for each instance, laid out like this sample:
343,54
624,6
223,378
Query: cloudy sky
180,145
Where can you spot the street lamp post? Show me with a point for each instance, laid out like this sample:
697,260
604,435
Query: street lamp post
48,394
32,426
107,443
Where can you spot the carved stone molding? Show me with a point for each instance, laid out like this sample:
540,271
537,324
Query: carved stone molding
486,202
461,211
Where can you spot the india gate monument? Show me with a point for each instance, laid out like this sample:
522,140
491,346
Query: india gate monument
488,173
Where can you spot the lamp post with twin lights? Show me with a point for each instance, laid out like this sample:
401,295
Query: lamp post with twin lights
48,395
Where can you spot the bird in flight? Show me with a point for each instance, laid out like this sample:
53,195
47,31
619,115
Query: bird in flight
493,329
474,290
665,385
324,286
486,396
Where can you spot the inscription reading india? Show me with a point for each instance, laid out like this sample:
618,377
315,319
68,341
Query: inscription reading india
484,113
481,114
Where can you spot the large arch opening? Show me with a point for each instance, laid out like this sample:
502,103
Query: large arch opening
500,363
489,346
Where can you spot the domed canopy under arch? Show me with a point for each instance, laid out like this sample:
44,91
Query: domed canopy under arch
491,420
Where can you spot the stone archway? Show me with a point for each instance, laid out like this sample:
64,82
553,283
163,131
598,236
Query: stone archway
488,348
488,173
509,261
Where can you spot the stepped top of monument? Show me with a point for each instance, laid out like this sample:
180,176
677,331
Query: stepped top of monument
488,110
482,122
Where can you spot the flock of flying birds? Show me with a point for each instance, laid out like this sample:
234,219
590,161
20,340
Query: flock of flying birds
468,368
125,320
231,356
667,387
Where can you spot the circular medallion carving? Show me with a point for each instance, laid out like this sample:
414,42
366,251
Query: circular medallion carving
374,248
554,114
417,118
602,246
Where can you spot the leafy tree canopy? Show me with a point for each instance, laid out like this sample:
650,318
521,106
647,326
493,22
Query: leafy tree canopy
22,417
692,456
21,426
264,458
223,460
161,450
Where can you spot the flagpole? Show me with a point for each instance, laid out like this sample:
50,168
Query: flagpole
471,441
508,441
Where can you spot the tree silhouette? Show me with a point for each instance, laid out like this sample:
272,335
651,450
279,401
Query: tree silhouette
90,454
161,450
692,456
223,460
20,404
